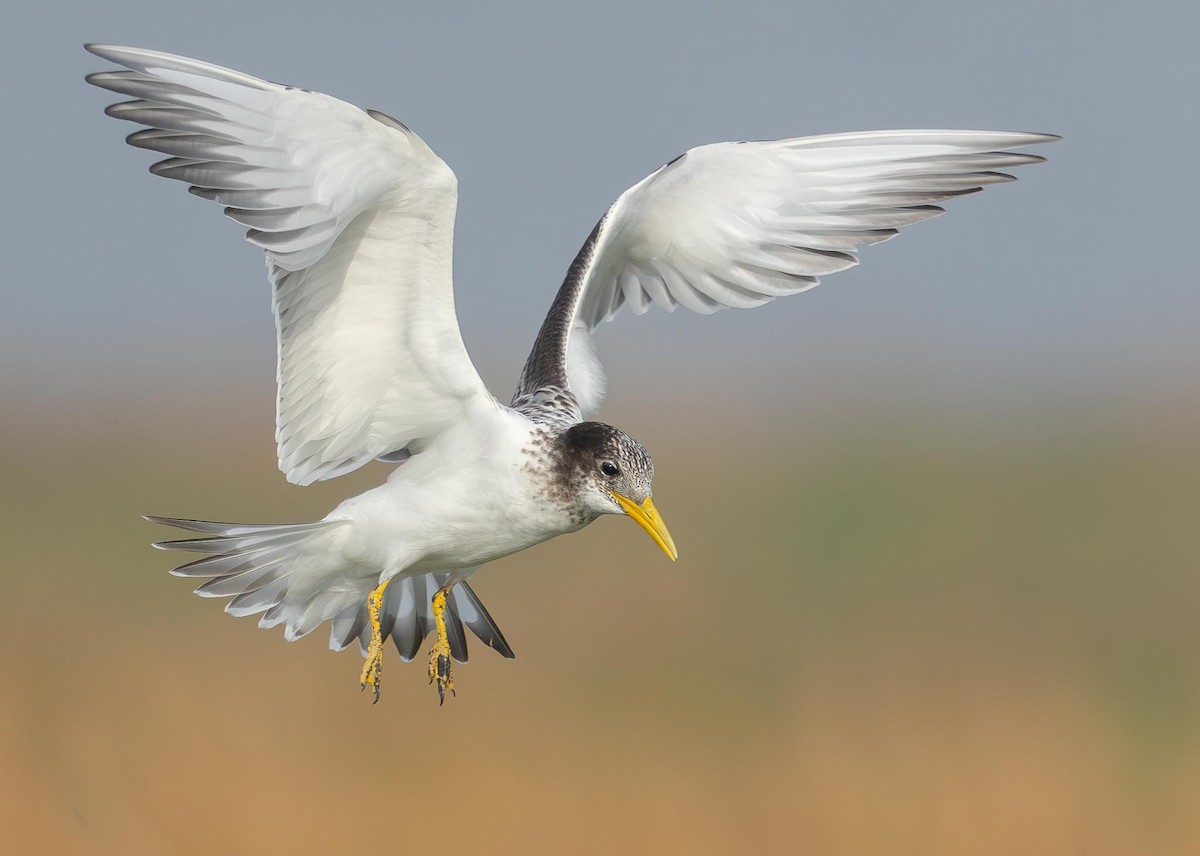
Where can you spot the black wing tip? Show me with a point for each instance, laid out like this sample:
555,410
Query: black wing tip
675,160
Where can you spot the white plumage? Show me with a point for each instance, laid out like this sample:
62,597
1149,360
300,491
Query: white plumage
356,216
735,225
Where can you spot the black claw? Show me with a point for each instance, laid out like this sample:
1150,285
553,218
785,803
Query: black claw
374,684
443,672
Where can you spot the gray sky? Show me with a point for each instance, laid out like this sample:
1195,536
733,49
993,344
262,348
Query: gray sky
1072,282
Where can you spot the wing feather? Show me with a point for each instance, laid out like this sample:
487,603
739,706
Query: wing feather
356,216
735,225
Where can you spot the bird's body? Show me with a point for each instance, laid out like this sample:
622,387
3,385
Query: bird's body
481,491
356,215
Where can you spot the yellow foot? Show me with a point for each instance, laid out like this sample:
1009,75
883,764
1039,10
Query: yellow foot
439,657
372,670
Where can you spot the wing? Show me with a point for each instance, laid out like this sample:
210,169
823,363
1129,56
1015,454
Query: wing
356,215
735,225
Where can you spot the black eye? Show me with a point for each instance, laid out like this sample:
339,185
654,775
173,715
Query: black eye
609,469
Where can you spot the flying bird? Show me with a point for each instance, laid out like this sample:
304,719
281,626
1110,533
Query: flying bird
355,214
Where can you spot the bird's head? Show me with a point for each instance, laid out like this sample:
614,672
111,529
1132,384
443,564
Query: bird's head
612,474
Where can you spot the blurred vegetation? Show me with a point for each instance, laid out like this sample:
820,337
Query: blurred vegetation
886,634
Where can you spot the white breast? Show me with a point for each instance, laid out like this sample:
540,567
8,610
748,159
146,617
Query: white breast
470,497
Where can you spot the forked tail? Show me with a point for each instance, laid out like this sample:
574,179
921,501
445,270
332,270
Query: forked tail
284,573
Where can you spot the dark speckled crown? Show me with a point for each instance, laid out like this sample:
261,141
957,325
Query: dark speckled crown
582,447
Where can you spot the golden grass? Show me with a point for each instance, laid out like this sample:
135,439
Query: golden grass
886,640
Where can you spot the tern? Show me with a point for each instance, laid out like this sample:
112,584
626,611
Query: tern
355,214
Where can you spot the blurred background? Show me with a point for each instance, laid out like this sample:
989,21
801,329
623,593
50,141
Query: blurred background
937,518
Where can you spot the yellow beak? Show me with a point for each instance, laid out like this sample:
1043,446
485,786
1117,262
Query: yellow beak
648,518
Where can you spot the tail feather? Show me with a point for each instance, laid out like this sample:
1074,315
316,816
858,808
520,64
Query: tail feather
467,605
400,619
423,616
411,619
287,574
347,626
455,635
407,617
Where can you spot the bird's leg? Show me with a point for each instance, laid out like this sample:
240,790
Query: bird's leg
439,657
372,670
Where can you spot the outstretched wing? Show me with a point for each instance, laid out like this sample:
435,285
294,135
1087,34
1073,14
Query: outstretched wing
735,225
356,215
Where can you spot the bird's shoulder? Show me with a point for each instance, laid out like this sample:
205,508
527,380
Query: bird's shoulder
550,406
